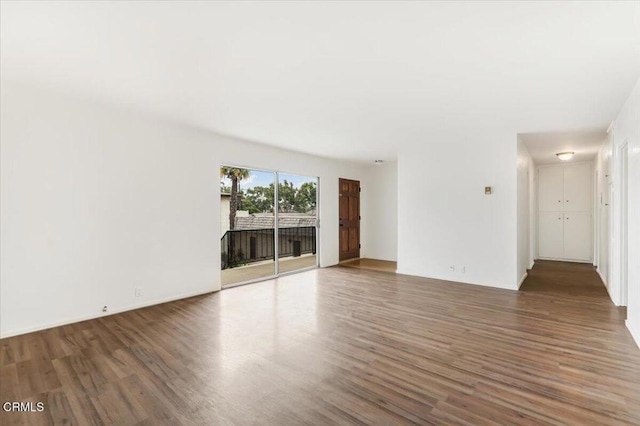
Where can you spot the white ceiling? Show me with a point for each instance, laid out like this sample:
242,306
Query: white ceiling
543,147
357,80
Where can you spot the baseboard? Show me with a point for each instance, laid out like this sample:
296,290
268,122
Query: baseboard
53,324
533,262
557,259
634,333
453,279
524,277
602,279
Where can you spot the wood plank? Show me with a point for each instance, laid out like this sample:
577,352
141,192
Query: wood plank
341,346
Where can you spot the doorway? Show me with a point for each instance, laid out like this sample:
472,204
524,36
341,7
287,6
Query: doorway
263,238
349,219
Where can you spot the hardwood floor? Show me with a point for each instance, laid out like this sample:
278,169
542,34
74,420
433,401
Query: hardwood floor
341,346
371,264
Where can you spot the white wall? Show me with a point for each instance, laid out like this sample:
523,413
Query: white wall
524,171
380,222
97,201
444,217
627,129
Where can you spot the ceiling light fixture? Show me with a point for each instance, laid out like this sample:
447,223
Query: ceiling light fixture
565,156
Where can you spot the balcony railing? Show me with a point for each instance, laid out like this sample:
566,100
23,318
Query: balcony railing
244,246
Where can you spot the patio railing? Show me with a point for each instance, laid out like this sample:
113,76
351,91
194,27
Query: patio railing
244,246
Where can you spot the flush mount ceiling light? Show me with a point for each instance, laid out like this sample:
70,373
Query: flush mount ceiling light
565,156
378,162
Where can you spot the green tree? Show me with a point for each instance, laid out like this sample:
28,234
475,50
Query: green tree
235,175
286,197
306,197
259,199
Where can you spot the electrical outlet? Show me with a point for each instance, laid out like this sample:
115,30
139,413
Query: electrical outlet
137,292
452,268
104,308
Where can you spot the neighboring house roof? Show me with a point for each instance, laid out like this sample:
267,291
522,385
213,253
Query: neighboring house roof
265,220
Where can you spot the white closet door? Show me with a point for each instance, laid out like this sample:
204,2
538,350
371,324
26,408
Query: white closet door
577,235
550,189
550,238
577,188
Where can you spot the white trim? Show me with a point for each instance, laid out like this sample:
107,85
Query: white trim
276,223
612,126
623,188
635,334
452,279
533,262
46,326
616,215
606,284
524,277
557,259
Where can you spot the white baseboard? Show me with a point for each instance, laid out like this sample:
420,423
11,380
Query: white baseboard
533,262
53,324
602,279
557,259
524,277
634,333
452,278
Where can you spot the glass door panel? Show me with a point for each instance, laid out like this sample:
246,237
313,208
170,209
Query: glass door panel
297,222
247,225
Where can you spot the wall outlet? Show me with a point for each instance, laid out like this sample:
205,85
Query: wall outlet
137,291
104,308
452,268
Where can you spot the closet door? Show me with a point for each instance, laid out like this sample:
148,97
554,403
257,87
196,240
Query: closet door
577,188
577,235
550,182
550,238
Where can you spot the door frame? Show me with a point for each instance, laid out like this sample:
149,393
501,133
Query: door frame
276,174
340,181
623,188
618,265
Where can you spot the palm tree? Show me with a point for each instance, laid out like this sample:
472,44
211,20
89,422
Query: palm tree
235,175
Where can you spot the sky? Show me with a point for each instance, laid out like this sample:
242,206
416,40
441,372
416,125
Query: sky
260,178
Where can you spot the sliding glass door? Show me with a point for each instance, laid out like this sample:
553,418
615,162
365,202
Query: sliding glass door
259,240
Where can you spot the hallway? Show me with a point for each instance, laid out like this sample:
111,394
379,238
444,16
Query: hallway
564,284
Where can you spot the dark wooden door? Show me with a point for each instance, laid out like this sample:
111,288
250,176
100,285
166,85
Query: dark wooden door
349,219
